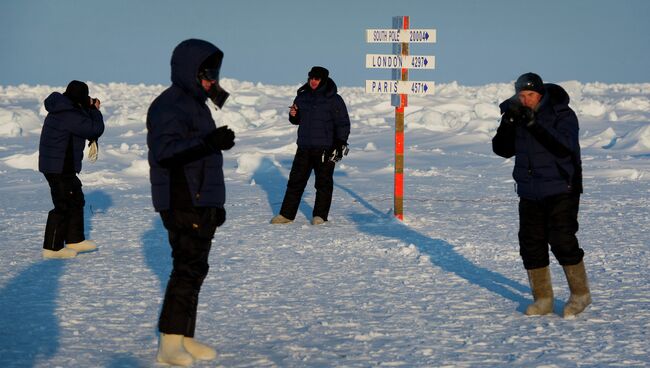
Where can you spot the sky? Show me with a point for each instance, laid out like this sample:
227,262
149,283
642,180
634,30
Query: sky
276,42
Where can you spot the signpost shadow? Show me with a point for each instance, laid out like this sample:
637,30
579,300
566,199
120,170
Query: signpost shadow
441,254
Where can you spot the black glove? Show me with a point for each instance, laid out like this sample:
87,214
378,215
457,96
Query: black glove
339,150
519,115
222,138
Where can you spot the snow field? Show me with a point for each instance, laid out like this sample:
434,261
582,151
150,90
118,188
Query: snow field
444,288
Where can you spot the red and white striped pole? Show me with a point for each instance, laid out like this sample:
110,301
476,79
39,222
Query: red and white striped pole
398,205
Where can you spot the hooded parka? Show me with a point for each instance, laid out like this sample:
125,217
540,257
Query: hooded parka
177,122
66,124
547,152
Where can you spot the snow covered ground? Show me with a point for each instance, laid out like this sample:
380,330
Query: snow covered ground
444,288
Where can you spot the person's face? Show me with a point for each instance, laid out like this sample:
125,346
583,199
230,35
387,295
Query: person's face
207,84
314,82
529,98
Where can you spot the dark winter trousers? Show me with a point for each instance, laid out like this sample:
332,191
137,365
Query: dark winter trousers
65,223
304,162
554,221
190,236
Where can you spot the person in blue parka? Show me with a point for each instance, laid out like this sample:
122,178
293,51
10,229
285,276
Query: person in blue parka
73,117
323,130
187,188
540,129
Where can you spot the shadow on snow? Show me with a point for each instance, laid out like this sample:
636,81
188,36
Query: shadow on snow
29,301
269,177
441,253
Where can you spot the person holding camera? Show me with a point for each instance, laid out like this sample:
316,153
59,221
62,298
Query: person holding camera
323,130
188,189
540,129
73,117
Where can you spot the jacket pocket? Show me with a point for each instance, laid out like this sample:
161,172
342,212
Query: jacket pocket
200,222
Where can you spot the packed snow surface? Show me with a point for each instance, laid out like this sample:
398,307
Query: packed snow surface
446,287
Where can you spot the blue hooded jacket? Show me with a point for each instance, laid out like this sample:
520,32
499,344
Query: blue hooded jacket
177,122
66,121
547,151
322,116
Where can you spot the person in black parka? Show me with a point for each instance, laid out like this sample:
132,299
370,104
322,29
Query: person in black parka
323,130
73,117
188,189
540,129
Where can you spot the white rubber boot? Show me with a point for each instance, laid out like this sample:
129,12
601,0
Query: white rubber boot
279,219
62,253
199,351
171,351
317,220
83,246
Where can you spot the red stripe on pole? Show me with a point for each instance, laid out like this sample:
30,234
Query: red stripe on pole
399,185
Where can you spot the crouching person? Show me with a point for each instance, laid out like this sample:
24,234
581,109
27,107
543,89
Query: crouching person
188,188
540,129
73,117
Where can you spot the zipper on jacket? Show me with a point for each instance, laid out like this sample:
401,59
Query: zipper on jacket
201,181
530,152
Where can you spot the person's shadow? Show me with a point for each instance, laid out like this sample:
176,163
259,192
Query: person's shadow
271,180
440,253
157,252
28,321
97,203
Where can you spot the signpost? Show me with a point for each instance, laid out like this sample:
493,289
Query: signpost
391,61
400,87
403,35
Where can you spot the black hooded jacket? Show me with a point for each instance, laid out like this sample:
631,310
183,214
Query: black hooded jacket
66,126
547,151
177,122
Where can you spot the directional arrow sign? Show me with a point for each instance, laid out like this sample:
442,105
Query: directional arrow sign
401,35
378,61
399,87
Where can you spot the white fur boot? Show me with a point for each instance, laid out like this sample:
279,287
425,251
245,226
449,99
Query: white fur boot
580,295
199,351
279,219
540,284
171,351
59,254
83,246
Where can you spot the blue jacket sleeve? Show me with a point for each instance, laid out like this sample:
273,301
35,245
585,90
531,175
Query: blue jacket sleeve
503,143
86,125
341,120
170,145
295,120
